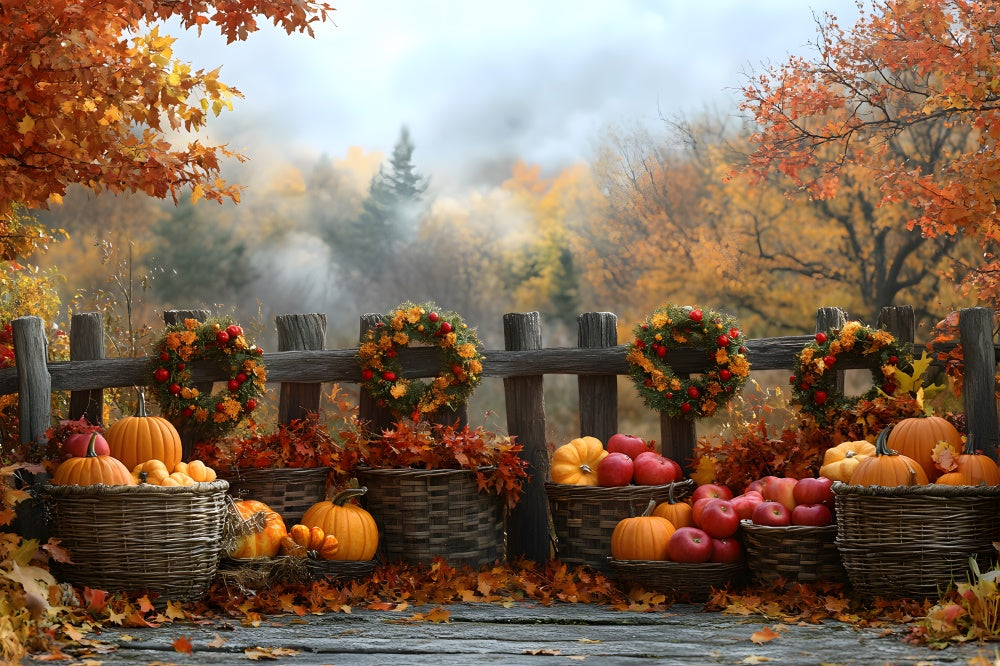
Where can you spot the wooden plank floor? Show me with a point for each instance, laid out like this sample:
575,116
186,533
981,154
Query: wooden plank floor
522,633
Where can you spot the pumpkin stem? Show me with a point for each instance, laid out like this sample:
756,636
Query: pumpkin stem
585,468
650,507
969,449
140,405
347,493
91,451
882,443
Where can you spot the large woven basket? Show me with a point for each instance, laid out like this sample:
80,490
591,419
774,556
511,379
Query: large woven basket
422,514
287,491
162,540
797,553
913,542
683,581
584,517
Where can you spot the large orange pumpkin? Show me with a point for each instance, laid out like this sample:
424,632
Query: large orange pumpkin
888,467
264,543
575,463
136,439
916,438
355,529
92,469
644,537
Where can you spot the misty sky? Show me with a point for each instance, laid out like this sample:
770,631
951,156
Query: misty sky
481,83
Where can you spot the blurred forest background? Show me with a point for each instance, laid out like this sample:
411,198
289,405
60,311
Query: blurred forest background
652,218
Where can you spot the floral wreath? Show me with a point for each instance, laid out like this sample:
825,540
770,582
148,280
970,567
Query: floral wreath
814,379
673,326
382,373
218,340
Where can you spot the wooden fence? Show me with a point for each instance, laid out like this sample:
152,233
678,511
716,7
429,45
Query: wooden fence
302,364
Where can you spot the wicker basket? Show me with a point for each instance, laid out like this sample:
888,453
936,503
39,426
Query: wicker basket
422,514
684,581
797,553
162,540
584,517
915,541
289,491
339,569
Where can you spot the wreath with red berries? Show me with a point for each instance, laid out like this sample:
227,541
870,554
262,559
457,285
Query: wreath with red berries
382,373
219,341
674,326
814,377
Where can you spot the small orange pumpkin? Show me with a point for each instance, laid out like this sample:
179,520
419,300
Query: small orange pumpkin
887,467
136,439
916,438
678,513
197,470
92,469
354,528
575,463
644,537
972,469
266,542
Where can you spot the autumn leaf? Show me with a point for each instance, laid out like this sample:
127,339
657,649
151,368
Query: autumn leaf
764,635
257,653
755,659
184,645
216,642
945,457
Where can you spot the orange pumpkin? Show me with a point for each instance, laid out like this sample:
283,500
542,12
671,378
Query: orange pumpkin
887,467
354,528
972,469
266,542
644,537
136,439
678,513
916,438
92,469
840,461
197,470
575,463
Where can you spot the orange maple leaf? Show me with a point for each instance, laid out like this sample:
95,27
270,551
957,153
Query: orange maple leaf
182,644
765,635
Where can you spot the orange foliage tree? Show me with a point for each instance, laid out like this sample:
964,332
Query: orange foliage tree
909,98
91,90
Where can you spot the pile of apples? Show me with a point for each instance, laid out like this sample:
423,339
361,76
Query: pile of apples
782,501
712,535
631,460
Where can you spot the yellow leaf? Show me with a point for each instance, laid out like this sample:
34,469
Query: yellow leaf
26,125
705,471
197,193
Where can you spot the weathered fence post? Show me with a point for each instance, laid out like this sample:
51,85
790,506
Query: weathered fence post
171,317
976,335
34,383
528,524
299,331
598,393
374,419
86,343
900,321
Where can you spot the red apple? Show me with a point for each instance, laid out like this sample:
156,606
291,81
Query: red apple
698,507
653,469
719,519
76,445
726,550
759,484
711,490
689,544
745,503
615,469
814,491
812,514
771,513
781,489
630,445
